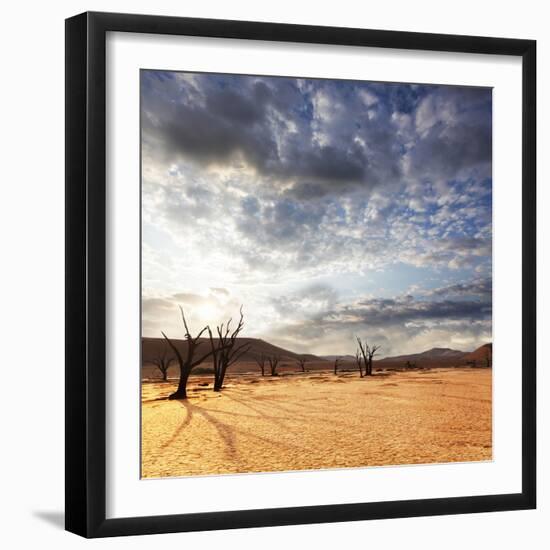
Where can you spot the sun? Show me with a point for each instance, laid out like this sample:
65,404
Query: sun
207,311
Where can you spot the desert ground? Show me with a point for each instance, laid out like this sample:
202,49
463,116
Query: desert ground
315,420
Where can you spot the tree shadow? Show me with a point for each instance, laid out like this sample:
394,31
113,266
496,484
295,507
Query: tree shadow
180,428
226,433
258,413
271,403
256,408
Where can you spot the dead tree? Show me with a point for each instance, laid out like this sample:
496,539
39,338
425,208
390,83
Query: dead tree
190,361
261,361
372,353
273,364
302,363
336,363
163,361
359,361
225,352
364,349
368,352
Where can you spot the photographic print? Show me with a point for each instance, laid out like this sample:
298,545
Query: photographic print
316,274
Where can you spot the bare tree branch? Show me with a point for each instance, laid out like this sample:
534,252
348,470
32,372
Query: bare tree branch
261,361
302,363
186,365
273,363
358,360
162,361
226,352
368,354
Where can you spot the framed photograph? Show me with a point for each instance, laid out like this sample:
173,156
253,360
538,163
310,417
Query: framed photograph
300,274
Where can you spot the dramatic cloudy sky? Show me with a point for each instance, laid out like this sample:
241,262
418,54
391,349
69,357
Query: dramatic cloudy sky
327,208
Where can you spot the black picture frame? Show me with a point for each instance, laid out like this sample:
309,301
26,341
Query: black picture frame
86,274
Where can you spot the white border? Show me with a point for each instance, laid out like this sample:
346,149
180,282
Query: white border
127,495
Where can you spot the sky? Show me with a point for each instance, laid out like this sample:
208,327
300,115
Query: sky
328,209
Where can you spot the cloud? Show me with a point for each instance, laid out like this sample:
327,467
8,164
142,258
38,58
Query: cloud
310,302
277,131
454,135
381,312
482,288
222,291
161,312
264,186
301,167
399,324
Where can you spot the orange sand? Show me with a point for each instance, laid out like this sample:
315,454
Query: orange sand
317,420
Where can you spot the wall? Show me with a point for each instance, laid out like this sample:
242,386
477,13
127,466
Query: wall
31,299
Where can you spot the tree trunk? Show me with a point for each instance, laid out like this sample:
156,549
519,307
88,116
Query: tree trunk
220,377
218,381
181,392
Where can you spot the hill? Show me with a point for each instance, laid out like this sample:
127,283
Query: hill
152,347
257,347
481,354
346,358
435,357
444,354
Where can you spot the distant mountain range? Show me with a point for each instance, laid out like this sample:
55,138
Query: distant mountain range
152,347
434,353
445,355
257,348
482,353
341,357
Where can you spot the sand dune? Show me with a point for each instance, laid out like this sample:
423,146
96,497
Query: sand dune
150,348
437,354
481,354
317,420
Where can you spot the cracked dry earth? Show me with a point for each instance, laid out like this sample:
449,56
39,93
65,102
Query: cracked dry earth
317,420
